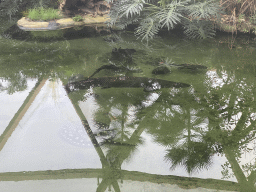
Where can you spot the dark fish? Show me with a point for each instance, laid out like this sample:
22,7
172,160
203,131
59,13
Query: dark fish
149,84
189,66
115,68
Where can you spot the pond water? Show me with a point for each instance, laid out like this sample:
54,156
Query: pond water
87,109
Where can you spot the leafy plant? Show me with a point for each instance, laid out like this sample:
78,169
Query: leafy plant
196,17
12,8
9,8
199,29
78,18
43,14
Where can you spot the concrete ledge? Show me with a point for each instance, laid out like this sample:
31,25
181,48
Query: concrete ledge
28,25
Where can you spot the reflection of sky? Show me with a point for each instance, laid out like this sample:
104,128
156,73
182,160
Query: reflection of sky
215,80
46,137
10,104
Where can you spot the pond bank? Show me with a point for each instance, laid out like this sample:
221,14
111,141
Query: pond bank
28,25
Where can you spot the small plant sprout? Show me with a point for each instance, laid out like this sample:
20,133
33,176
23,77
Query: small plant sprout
167,62
78,18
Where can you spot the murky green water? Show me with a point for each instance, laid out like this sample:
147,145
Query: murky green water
80,114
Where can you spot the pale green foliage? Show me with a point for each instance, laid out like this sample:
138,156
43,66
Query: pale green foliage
152,15
125,11
43,14
148,28
167,63
12,7
131,8
169,15
199,29
9,8
204,10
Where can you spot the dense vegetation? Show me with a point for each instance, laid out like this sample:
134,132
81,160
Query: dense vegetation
43,14
14,8
196,17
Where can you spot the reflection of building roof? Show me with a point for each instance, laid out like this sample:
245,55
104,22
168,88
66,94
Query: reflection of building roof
130,180
22,110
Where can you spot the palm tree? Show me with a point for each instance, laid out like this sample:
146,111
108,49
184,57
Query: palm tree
194,16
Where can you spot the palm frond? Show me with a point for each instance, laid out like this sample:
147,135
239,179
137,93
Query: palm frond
169,15
194,16
148,28
125,12
205,10
131,7
199,29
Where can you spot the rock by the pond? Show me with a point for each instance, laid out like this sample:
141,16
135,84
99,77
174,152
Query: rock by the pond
28,25
161,70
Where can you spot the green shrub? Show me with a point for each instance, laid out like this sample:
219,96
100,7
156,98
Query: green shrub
78,18
43,14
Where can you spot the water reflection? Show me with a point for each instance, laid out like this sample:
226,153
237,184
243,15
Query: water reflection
119,129
14,32
193,125
133,126
16,83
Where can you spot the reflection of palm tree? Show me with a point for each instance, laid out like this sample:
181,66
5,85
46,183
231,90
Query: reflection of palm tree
110,173
190,145
17,82
194,156
123,138
174,119
230,109
114,113
176,124
117,135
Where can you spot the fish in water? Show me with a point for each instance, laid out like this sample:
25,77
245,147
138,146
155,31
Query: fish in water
189,66
149,84
115,68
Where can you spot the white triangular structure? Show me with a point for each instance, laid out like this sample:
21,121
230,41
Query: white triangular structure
50,136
